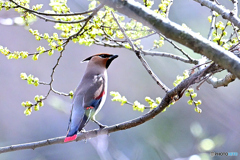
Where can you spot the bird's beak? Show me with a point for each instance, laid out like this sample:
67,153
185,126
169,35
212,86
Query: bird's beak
113,57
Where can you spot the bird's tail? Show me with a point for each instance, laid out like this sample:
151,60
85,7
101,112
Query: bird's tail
72,131
67,139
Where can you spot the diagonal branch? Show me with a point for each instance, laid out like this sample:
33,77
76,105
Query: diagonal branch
59,21
171,30
51,14
178,48
221,82
169,55
144,63
177,91
226,14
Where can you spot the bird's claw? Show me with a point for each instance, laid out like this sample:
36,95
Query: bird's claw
101,126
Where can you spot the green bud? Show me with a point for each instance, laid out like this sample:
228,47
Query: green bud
216,39
165,109
158,100
71,94
153,105
36,98
31,31
190,102
138,106
128,46
23,76
10,56
23,104
28,111
187,94
53,45
60,42
191,90
41,49
60,48
30,79
185,74
198,110
224,33
75,40
45,36
23,55
49,40
172,103
149,100
41,97
36,107
35,57
28,104
194,95
210,19
199,102
50,52
40,103
55,36
36,83
124,100
38,38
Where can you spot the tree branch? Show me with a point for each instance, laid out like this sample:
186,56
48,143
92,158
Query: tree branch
169,55
51,14
221,82
59,21
172,95
171,30
226,14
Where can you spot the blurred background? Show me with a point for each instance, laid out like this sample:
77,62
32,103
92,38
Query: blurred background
179,133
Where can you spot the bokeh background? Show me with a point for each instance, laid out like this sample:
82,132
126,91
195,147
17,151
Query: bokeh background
179,133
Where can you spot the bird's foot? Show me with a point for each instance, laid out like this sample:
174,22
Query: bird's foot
101,126
83,131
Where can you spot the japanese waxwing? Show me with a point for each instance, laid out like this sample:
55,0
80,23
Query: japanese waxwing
90,94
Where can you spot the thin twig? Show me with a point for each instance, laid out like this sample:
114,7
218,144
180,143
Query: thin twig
221,82
178,48
225,13
50,14
53,71
59,21
235,6
169,55
179,89
87,20
61,53
144,63
212,26
168,8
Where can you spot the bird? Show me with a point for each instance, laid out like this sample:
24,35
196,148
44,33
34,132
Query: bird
90,94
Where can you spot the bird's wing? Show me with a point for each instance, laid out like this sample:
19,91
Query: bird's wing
83,101
94,94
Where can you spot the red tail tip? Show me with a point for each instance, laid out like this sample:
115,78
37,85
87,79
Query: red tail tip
67,139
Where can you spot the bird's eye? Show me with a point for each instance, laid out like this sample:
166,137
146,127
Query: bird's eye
104,55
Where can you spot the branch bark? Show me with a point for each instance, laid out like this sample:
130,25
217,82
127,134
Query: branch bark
171,95
225,13
221,82
171,30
